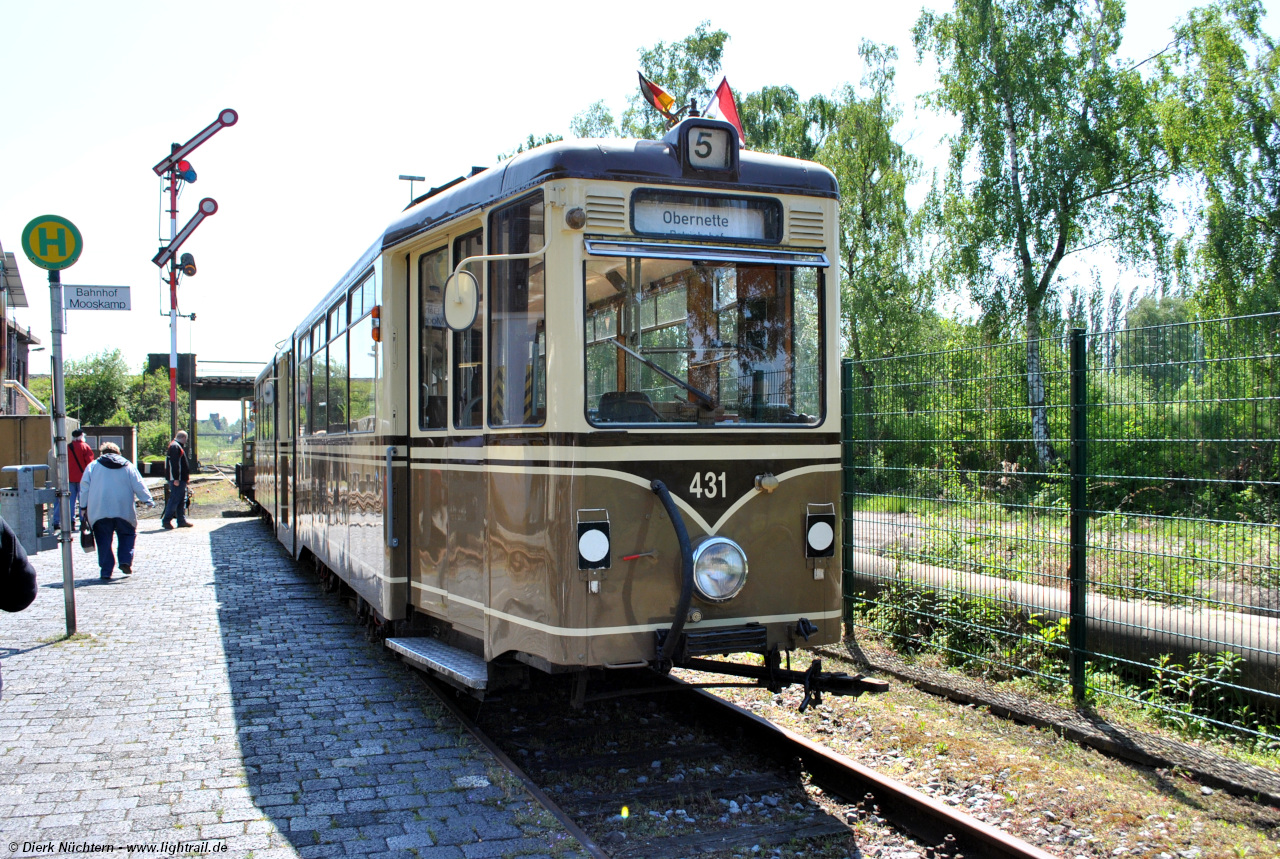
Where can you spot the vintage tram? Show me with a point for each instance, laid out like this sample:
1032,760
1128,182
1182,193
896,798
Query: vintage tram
579,411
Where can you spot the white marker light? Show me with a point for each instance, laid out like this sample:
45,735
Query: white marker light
593,545
820,536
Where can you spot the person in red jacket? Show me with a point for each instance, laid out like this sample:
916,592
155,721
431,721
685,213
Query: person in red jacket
79,456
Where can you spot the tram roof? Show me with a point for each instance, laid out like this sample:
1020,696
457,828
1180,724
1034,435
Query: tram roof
609,159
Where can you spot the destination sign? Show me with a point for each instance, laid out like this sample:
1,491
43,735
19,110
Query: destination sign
705,216
96,297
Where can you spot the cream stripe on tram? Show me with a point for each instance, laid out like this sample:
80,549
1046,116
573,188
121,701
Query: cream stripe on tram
643,453
582,632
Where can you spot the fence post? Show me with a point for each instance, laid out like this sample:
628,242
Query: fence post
1078,525
846,493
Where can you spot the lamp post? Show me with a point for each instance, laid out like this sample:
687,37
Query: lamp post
411,180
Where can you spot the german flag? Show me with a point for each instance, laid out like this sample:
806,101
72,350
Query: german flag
657,97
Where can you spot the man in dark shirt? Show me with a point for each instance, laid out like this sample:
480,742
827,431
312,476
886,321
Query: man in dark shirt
176,473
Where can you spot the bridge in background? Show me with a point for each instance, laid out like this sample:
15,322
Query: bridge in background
208,380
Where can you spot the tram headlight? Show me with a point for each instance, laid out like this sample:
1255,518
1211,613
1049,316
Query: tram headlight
719,569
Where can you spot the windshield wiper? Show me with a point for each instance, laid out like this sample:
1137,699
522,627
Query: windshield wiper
704,399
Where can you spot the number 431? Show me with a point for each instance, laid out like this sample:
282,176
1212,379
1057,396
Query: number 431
709,485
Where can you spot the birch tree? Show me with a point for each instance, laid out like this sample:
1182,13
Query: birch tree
1058,151
1221,120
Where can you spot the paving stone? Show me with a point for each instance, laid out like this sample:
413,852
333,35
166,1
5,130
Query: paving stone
233,702
413,839
504,847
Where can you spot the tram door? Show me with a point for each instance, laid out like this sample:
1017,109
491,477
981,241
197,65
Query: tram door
467,481
284,439
429,513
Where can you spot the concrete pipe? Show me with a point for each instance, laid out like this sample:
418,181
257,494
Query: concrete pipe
1136,630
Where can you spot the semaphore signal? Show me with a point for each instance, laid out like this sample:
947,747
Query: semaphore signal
179,169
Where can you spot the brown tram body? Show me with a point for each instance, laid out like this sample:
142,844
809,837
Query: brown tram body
644,311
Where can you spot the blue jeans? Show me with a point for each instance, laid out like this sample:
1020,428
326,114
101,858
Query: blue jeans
176,506
103,530
57,508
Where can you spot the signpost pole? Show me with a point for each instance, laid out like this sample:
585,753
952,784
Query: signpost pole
173,308
54,243
60,440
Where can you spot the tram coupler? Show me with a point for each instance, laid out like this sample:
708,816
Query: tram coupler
814,680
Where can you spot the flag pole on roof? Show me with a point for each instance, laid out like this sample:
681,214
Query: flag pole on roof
722,106
659,99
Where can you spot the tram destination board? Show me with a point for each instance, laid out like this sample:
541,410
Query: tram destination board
713,216
96,298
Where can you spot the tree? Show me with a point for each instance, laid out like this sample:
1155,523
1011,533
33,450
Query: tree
1058,151
885,298
96,386
776,120
684,69
1221,116
595,121
148,404
531,143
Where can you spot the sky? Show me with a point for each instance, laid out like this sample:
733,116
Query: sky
335,101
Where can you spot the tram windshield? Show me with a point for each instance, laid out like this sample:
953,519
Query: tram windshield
703,343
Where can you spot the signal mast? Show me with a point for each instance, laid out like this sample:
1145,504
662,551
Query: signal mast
180,170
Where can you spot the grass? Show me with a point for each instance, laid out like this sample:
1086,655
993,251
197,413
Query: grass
1168,560
55,640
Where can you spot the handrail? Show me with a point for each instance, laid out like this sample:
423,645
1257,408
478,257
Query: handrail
389,517
492,257
31,398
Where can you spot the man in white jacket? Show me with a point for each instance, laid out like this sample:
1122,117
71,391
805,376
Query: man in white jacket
107,493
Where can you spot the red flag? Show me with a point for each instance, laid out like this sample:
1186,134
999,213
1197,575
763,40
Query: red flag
722,106
657,97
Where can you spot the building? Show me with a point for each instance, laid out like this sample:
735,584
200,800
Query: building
16,345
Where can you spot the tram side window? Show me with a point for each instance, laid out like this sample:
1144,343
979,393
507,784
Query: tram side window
517,348
468,351
433,369
266,412
602,356
304,383
319,381
284,428
807,343
363,361
338,383
337,407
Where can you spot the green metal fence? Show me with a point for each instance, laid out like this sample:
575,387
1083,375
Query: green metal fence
1128,549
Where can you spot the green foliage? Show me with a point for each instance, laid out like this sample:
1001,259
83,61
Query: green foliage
904,612
1202,697
1058,151
886,295
96,386
596,121
979,634
41,388
982,636
777,120
1220,117
531,143
684,69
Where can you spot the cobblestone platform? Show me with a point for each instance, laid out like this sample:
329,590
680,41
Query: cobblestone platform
217,702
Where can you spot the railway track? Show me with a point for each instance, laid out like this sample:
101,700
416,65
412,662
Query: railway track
653,768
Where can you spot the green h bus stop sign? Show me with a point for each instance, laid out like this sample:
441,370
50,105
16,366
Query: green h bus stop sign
52,242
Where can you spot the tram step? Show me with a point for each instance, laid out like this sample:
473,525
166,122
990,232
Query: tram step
466,668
